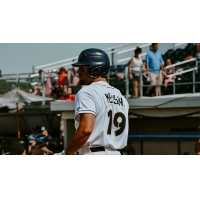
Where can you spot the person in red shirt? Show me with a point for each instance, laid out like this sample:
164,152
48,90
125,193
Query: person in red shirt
62,76
68,94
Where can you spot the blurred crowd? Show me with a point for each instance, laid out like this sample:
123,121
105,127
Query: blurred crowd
57,87
40,142
155,71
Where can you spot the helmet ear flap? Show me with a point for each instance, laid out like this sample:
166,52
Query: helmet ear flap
94,72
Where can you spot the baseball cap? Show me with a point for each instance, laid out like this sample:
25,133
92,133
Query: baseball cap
43,128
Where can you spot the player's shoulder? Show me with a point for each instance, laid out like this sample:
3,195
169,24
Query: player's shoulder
86,89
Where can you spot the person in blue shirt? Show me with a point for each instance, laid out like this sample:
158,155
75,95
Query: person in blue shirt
43,142
154,62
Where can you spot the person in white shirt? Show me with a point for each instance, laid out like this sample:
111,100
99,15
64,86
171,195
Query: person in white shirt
101,111
135,68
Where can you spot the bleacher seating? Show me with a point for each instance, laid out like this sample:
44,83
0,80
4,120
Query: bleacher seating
178,54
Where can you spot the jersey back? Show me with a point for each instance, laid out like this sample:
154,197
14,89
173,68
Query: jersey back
111,114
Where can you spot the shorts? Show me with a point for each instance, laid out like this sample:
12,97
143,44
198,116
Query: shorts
154,79
136,76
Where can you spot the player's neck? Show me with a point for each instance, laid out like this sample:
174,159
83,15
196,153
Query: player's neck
99,79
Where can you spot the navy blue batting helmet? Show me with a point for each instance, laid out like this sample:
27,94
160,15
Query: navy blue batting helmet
95,59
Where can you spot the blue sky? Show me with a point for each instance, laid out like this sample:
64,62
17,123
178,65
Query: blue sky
20,57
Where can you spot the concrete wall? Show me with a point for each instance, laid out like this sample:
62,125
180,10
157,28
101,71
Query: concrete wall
32,115
155,127
164,147
159,126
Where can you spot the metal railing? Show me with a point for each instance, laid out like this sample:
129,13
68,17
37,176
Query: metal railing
31,80
67,62
113,52
171,75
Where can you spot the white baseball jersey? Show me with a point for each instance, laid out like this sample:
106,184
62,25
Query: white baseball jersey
111,114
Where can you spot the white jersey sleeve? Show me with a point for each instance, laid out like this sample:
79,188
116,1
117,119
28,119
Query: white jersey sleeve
84,103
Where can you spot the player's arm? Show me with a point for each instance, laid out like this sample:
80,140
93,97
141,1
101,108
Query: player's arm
82,134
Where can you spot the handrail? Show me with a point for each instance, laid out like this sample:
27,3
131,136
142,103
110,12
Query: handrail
37,67
179,44
182,72
54,67
125,59
65,64
110,50
180,63
133,48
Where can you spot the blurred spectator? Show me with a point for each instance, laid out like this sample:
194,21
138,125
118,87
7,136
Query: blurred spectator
48,85
178,69
62,80
42,143
75,82
128,150
58,86
197,55
120,75
154,62
135,68
39,79
36,132
31,138
168,72
57,147
38,87
68,93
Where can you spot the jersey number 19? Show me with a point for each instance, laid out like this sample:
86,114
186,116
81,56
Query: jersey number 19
119,121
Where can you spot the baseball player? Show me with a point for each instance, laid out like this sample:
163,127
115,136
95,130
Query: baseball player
101,111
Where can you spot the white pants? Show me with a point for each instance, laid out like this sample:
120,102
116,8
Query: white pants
108,151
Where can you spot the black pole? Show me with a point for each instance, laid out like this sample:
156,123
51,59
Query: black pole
113,57
141,147
179,150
